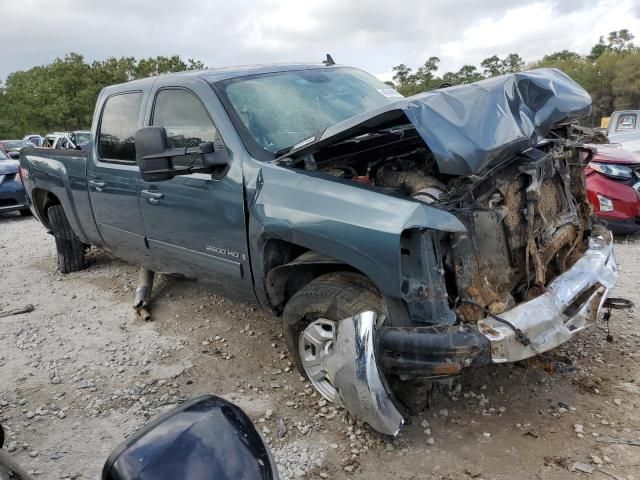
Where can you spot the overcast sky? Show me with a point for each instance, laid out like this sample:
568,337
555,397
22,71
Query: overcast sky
373,35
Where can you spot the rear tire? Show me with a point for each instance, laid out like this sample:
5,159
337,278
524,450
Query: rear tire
70,248
25,212
333,297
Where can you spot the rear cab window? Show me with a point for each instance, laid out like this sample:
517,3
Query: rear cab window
627,121
118,126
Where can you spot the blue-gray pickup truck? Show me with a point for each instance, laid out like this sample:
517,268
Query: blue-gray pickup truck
401,240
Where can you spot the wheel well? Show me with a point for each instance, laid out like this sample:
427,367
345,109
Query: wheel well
42,200
289,267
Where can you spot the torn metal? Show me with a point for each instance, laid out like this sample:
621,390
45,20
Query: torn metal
467,206
569,305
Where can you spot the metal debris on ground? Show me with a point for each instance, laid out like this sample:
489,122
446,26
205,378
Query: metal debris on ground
26,309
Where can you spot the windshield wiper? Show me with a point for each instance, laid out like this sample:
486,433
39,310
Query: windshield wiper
283,151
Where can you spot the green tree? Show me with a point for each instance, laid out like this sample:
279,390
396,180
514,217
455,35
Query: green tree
466,74
62,94
512,63
563,56
492,66
401,74
617,41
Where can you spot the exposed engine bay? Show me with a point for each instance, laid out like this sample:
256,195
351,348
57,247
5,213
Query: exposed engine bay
527,216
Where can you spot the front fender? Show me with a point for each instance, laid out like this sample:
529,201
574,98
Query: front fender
350,222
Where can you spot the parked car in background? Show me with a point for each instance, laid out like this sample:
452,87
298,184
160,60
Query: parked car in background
613,187
13,147
624,129
12,197
56,140
69,140
34,138
81,137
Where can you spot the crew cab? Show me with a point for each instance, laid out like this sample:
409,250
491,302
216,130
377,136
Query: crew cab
401,240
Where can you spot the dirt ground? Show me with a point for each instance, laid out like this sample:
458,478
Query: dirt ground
80,373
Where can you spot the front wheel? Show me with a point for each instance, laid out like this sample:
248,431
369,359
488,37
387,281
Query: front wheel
69,247
311,315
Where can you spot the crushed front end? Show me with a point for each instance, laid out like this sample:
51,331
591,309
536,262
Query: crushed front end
528,270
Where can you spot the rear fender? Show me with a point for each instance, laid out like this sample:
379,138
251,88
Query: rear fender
62,174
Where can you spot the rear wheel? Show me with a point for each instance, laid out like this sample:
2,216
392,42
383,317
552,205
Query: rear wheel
70,248
25,212
312,313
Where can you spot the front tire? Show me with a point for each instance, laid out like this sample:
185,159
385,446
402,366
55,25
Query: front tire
310,315
69,247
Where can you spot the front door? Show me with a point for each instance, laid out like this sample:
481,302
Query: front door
195,223
112,175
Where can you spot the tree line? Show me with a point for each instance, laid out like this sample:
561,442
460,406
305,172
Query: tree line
62,94
610,73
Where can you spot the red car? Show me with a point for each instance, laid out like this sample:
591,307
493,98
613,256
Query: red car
613,188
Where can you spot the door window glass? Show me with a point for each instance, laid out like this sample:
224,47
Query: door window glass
186,121
118,127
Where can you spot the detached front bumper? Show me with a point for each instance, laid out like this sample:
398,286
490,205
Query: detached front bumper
570,304
364,355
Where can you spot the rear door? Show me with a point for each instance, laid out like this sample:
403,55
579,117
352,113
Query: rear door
112,175
195,223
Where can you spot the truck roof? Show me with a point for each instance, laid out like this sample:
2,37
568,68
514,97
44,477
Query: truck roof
213,75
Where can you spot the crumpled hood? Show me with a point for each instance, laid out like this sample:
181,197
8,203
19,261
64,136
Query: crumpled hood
9,166
467,127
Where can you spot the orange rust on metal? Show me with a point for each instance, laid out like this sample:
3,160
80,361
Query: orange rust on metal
447,368
470,312
497,307
595,303
144,313
552,199
488,330
564,236
534,291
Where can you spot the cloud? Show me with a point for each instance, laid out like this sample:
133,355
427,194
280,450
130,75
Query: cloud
373,36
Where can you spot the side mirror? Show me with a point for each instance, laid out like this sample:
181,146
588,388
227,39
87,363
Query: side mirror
14,155
151,145
206,437
154,156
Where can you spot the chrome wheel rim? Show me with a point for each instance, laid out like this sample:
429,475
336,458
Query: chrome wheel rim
316,345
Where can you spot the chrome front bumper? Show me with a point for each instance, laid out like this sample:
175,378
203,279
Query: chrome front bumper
570,304
353,371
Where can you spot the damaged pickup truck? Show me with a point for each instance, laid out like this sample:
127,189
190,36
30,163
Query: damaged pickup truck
401,240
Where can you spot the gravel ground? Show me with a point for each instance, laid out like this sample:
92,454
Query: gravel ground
80,373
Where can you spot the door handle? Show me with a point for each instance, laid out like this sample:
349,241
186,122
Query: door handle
97,184
153,196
